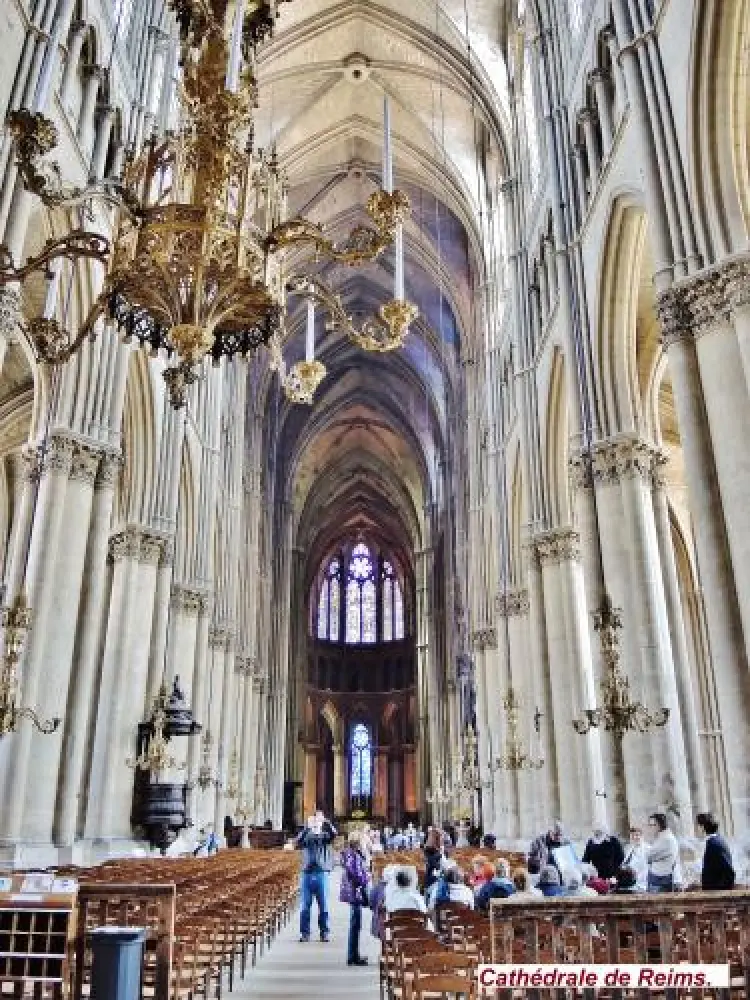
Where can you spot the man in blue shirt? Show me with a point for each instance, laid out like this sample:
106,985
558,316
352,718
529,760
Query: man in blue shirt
317,862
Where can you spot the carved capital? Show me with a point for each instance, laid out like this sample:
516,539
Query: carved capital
166,558
58,455
512,604
675,316
10,310
110,464
220,637
555,547
186,599
125,545
483,639
152,546
85,464
737,283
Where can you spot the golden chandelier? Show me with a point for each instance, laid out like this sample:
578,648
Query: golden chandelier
618,713
197,264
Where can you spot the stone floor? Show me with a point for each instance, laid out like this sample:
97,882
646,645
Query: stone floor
314,970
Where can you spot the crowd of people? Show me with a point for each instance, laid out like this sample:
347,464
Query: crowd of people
607,865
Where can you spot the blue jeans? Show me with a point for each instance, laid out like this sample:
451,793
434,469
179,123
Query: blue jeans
355,926
660,883
314,885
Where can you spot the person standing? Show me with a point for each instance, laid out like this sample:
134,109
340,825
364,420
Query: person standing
662,854
354,881
317,861
718,870
635,858
604,851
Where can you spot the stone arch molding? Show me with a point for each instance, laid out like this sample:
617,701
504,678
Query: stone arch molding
719,124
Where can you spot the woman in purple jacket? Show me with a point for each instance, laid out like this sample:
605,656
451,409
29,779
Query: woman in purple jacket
354,879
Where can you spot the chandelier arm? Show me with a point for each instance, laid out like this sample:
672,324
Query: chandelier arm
52,344
46,727
76,245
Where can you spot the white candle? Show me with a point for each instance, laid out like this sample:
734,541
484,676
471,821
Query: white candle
235,50
387,152
310,335
53,285
398,278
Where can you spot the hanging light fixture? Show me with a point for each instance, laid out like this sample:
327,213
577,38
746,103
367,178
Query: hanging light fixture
197,263
155,757
514,756
440,793
618,713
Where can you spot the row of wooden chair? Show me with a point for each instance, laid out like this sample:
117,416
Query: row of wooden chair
227,909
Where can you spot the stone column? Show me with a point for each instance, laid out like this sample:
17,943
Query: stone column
587,118
40,584
600,82
101,145
620,89
77,36
578,758
59,629
200,701
579,164
310,788
728,652
736,280
340,796
680,656
85,658
111,746
92,81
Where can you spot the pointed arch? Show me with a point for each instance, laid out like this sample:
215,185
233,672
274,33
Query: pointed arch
719,124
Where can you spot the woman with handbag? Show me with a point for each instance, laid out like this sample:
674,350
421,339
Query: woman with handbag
354,880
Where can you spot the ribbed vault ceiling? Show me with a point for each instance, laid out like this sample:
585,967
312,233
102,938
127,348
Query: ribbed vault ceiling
367,457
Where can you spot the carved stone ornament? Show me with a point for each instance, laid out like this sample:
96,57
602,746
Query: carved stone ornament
695,305
187,600
109,468
219,637
152,546
85,464
513,604
483,639
167,553
10,310
125,545
58,455
555,547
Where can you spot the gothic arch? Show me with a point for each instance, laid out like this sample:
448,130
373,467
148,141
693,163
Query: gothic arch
615,343
719,124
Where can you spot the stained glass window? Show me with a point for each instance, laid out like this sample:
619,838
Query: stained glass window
361,761
361,597
329,603
373,601
393,605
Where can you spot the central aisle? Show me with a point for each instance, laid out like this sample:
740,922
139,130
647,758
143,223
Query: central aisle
293,970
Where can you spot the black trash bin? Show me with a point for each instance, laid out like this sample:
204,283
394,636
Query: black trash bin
117,963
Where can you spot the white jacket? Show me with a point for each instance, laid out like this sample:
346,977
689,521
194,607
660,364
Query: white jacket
397,898
663,855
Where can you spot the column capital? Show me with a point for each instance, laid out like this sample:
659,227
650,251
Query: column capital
599,76
125,544
186,599
557,546
57,456
10,310
694,305
483,639
110,464
221,637
513,604
85,463
77,28
587,116
152,547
